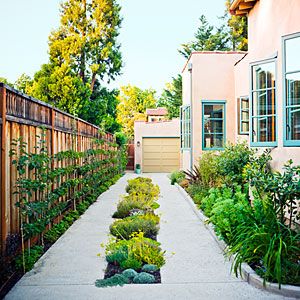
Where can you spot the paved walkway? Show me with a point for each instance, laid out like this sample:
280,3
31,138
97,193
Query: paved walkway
197,270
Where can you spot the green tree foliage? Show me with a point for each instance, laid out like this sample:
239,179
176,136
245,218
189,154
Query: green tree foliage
83,51
101,110
5,81
207,38
237,29
86,39
132,106
231,35
57,85
23,82
171,97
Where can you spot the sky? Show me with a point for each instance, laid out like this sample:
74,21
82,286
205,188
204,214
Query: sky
151,34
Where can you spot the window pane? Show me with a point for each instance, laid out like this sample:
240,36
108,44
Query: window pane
293,88
263,76
244,103
213,111
213,126
264,129
293,123
213,141
245,126
245,116
292,54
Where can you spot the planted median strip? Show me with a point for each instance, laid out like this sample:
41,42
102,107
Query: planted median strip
133,253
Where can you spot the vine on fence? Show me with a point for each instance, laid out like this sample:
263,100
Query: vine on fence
48,185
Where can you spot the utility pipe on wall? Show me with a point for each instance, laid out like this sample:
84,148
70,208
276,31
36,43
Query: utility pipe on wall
190,69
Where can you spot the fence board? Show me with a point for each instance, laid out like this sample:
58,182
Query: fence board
22,116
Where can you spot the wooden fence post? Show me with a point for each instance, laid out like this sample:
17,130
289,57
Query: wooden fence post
4,217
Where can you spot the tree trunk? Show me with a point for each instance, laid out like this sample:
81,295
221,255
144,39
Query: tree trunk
93,81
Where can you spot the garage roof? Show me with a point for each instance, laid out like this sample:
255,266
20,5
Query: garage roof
159,111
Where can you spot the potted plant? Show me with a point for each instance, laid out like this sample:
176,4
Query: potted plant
138,169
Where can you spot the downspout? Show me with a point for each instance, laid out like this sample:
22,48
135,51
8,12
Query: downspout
190,69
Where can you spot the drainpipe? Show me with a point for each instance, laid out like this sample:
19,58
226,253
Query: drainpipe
190,69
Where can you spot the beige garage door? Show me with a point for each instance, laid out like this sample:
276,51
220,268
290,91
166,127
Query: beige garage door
161,154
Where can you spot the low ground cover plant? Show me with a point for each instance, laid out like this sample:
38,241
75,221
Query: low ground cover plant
133,254
126,227
259,230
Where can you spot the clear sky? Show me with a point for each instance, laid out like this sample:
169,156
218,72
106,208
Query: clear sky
151,33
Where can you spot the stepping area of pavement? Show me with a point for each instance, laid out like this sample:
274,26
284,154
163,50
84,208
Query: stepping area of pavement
195,266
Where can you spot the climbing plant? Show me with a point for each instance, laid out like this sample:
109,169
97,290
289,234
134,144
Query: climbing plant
49,185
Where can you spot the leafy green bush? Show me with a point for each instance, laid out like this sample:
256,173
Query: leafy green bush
28,258
125,227
144,278
197,191
117,279
177,177
232,161
142,249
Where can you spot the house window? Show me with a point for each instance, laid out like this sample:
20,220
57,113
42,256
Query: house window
263,116
291,50
213,125
243,115
185,127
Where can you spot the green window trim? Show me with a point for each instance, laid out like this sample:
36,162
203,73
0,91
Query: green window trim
242,111
291,89
185,127
216,119
263,124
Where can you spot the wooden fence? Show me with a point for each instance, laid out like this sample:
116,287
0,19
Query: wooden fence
23,116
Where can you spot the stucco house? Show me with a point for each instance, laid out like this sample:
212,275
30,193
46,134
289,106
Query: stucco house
253,96
156,114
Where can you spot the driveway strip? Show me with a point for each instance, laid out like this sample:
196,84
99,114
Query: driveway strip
195,267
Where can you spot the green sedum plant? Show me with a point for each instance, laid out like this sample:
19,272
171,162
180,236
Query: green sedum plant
149,268
115,280
143,278
129,273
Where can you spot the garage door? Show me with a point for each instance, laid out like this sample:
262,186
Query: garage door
161,154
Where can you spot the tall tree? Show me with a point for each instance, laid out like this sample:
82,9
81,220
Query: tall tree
207,38
101,110
132,106
58,86
82,50
86,39
171,97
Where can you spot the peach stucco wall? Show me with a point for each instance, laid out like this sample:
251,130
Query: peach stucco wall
153,129
212,79
268,22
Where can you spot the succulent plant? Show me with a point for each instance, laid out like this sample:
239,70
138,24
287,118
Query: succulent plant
149,268
144,277
129,273
117,279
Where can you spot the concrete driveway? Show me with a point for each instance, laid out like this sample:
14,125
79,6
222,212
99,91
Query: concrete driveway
195,267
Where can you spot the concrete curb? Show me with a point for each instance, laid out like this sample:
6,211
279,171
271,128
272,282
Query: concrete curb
247,273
